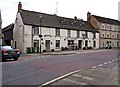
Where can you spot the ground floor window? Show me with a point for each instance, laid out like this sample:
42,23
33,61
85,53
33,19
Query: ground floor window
117,44
36,43
70,42
57,44
113,44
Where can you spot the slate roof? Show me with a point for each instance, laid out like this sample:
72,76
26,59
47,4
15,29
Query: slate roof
107,20
54,21
8,32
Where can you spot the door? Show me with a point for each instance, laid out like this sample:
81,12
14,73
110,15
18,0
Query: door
86,43
47,45
80,43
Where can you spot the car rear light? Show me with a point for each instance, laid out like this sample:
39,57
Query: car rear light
4,51
18,51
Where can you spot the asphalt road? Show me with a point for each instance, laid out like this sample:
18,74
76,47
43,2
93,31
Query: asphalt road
39,69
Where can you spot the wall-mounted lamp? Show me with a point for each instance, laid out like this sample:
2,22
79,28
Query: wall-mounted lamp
41,39
51,42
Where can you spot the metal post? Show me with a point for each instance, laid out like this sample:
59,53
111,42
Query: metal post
40,45
40,32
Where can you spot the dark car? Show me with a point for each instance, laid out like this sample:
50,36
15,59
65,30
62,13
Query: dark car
8,53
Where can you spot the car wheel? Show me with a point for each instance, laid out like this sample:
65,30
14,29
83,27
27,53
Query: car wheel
16,58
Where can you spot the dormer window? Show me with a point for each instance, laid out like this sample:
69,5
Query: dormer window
63,21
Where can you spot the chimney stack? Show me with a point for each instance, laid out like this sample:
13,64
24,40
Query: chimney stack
88,16
75,17
19,7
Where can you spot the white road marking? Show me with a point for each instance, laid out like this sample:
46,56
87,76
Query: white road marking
105,63
100,65
93,67
109,62
61,77
72,81
113,60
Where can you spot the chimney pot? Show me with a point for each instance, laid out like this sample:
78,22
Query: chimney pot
75,17
19,6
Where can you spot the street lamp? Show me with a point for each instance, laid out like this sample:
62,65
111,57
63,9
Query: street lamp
40,42
40,36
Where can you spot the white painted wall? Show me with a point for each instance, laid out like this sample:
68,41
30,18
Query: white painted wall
18,33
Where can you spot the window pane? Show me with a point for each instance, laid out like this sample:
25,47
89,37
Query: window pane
35,30
36,43
68,33
57,43
78,33
57,32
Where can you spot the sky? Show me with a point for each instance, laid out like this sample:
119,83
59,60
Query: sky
65,8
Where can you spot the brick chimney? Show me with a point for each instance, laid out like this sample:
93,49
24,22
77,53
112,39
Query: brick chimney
88,16
19,7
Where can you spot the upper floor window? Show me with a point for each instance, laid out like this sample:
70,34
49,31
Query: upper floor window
108,27
78,33
57,31
108,35
69,33
102,26
35,30
86,34
112,28
94,35
116,28
113,36
103,35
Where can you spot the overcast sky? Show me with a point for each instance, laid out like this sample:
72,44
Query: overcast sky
66,8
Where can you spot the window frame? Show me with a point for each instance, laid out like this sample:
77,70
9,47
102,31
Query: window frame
57,32
57,44
78,33
35,30
69,33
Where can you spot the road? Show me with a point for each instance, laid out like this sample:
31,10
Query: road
39,69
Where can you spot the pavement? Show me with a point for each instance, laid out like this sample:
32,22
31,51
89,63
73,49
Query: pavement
68,52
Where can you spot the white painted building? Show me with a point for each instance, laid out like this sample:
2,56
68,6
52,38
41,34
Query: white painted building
57,32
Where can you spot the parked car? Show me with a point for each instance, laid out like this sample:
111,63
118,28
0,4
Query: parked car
8,53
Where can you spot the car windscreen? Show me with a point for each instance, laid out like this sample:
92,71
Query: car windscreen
6,48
